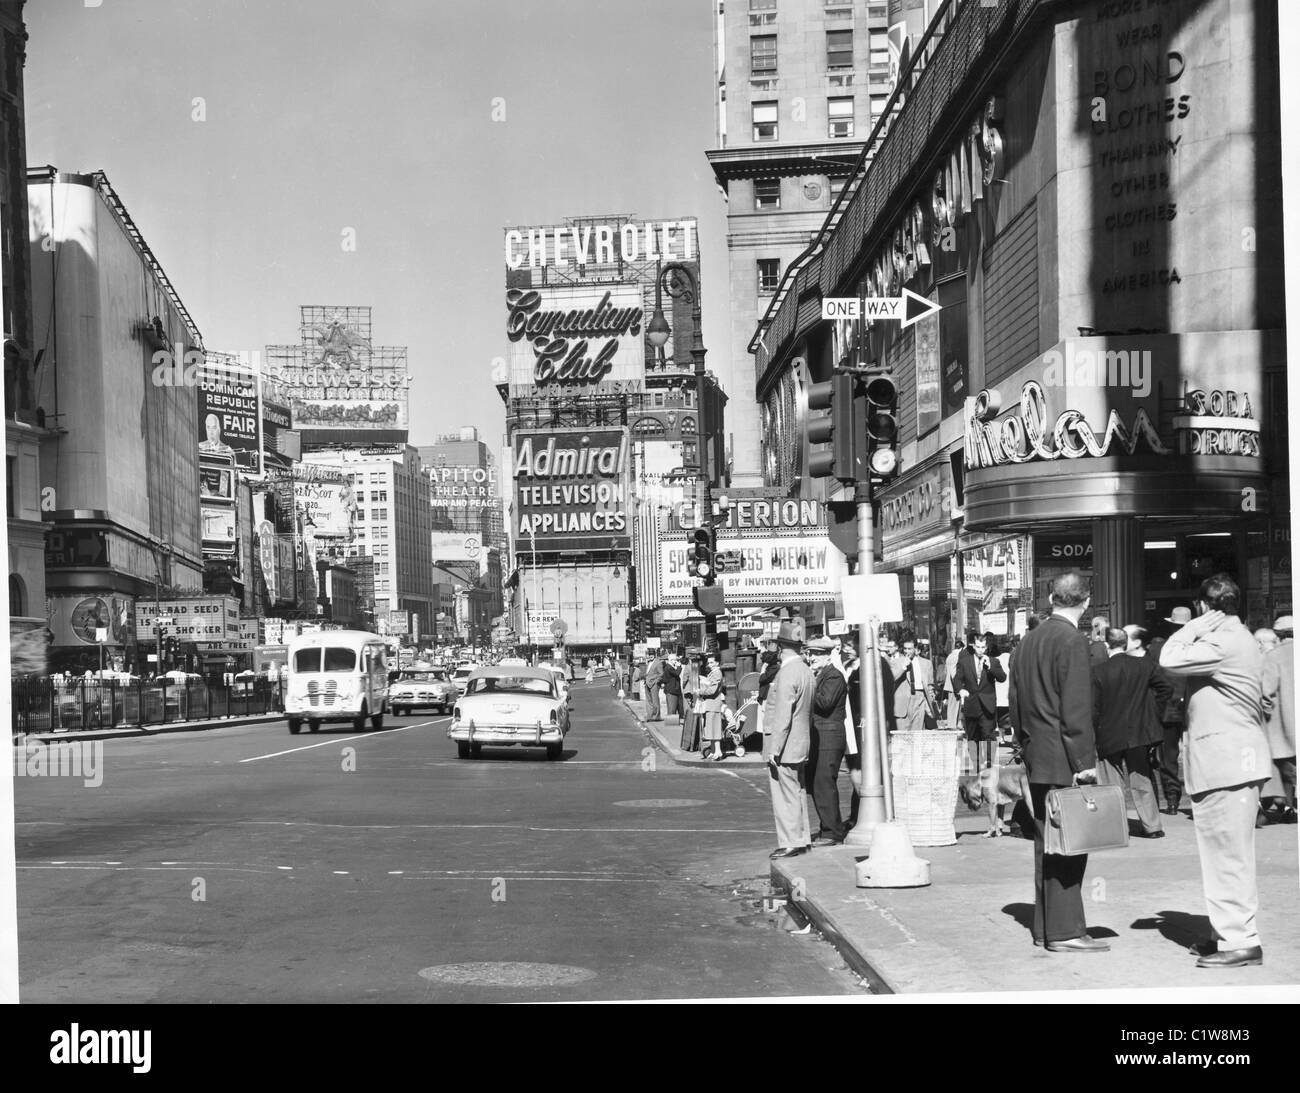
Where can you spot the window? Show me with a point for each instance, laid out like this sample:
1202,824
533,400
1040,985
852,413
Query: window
380,495
839,113
879,40
878,105
762,5
880,58
340,660
839,49
769,275
376,514
767,193
762,54
11,473
836,187
764,121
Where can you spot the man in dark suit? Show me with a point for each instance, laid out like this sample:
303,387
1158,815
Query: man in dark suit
975,682
1128,693
1051,710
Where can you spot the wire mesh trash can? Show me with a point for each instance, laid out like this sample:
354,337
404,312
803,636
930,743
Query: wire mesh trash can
924,767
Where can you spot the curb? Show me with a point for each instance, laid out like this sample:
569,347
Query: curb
682,758
148,730
812,910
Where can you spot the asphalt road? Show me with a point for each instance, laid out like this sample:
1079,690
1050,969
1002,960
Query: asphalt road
248,865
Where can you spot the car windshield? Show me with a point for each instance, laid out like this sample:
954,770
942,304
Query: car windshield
423,677
509,685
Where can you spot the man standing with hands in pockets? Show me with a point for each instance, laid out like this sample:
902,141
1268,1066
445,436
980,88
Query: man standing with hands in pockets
786,739
1051,710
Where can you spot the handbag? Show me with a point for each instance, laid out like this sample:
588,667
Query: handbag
1082,819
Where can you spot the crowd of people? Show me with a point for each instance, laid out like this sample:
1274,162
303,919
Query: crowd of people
1203,712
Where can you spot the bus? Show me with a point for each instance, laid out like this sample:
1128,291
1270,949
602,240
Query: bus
337,675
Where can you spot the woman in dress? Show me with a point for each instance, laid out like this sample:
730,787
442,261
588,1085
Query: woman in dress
709,702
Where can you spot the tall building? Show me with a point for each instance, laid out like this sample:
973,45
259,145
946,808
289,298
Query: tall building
1105,387
801,82
22,433
120,459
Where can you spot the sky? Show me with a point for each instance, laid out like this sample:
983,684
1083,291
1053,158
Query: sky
245,137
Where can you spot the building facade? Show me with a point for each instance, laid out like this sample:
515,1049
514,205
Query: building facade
1104,387
801,84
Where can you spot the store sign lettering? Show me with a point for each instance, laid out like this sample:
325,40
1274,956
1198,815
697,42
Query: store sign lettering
1217,423
1029,434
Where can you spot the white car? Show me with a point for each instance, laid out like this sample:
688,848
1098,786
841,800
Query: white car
461,676
510,706
421,687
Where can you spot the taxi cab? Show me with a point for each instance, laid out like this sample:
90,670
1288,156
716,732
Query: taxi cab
510,706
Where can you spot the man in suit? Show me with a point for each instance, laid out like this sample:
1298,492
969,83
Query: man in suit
654,674
786,737
1128,693
829,742
1173,719
672,681
893,678
975,682
1051,703
914,701
1227,759
1279,724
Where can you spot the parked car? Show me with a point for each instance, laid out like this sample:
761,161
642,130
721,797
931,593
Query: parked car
421,688
510,706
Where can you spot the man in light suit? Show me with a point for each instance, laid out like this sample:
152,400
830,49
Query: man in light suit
786,738
1227,760
914,704
1279,724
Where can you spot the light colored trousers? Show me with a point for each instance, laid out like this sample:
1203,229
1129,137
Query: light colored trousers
1132,770
788,806
1225,837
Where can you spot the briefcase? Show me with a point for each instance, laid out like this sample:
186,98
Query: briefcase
1082,819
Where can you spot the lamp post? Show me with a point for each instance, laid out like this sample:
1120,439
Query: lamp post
669,280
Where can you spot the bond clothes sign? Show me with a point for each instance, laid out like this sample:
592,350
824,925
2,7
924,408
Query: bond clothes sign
797,566
230,413
571,489
575,335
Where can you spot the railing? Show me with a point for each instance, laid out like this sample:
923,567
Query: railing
42,705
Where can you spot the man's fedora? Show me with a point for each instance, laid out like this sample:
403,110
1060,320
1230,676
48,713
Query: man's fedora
822,645
1181,616
791,633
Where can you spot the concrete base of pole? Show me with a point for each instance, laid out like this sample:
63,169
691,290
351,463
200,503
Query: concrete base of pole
893,863
871,814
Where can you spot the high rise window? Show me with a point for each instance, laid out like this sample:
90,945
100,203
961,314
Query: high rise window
762,54
878,106
839,49
769,275
762,5
764,121
839,113
767,193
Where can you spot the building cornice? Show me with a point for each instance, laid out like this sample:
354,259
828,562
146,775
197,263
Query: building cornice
835,159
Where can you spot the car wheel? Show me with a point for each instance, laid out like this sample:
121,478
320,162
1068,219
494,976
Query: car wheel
476,750
359,722
314,726
295,726
397,711
462,750
555,751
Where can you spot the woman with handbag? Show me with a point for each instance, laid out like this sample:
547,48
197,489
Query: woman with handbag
690,687
709,702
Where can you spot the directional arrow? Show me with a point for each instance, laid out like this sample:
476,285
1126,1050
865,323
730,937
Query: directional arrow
905,309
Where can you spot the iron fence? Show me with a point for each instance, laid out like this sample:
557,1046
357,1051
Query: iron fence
44,705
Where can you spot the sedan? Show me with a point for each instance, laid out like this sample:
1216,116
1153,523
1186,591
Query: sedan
421,688
509,705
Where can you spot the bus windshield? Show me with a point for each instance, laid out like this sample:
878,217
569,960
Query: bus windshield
336,659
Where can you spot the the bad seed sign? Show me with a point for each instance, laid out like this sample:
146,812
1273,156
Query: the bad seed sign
571,489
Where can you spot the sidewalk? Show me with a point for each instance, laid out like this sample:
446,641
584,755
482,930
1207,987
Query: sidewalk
668,733
148,730
968,931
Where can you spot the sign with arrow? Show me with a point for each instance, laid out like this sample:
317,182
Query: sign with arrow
906,309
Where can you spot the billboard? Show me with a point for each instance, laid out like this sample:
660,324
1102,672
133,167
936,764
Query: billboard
571,489
202,618
230,412
325,499
797,566
470,489
218,529
570,337
75,619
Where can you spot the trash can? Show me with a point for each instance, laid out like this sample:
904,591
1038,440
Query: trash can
924,769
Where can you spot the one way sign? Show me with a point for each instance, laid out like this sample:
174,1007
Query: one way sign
905,309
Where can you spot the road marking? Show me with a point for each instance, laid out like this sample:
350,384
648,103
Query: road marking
340,739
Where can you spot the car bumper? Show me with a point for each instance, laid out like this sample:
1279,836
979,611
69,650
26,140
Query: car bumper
536,735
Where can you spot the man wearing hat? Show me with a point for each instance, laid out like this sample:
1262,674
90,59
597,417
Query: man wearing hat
829,741
1172,719
1279,720
786,740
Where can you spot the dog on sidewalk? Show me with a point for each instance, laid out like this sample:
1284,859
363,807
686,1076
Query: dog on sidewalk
995,787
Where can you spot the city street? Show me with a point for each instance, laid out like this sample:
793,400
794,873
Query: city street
412,876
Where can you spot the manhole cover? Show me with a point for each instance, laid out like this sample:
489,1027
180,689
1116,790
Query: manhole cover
664,802
494,974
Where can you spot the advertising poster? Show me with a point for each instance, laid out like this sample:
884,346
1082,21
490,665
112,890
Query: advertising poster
773,568
569,337
929,412
230,413
325,500
571,489
218,529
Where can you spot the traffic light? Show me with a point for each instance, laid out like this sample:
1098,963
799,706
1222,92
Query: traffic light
882,427
838,427
699,554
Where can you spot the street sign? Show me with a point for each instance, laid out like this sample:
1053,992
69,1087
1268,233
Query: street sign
906,309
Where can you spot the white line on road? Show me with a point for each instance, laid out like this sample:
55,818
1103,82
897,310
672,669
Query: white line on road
339,739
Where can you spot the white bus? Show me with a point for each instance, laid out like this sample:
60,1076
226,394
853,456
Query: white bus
336,675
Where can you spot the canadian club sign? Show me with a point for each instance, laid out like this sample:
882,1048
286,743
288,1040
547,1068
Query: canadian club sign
574,335
571,490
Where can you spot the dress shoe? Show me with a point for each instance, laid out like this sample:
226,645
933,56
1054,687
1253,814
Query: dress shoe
1171,811
1078,945
788,852
1232,958
1150,835
1204,947
826,840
